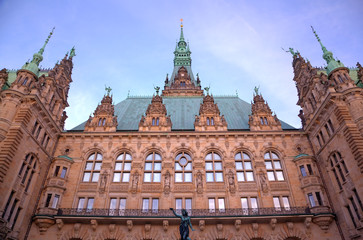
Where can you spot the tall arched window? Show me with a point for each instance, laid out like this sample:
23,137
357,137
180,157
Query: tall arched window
244,167
273,167
213,167
153,122
152,171
104,122
122,168
208,122
100,122
338,168
93,167
27,170
183,168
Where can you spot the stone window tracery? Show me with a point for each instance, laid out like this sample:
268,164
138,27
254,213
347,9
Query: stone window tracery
183,168
122,168
338,168
273,167
93,167
152,168
243,167
213,167
27,169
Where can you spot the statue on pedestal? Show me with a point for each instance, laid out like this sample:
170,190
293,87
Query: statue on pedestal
184,225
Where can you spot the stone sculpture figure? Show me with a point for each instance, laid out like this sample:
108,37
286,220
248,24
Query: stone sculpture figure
184,224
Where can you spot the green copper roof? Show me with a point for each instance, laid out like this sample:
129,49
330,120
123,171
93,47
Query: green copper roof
301,155
182,111
328,56
66,157
353,73
12,76
37,58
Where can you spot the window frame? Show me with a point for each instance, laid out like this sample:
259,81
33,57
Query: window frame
183,171
93,171
273,171
152,172
213,170
126,160
243,171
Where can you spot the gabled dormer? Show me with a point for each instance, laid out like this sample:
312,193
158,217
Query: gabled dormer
209,118
261,118
156,118
182,81
103,119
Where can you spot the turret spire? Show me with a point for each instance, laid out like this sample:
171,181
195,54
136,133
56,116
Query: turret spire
328,56
33,66
41,51
181,31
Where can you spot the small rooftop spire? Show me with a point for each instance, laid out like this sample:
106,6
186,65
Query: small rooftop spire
328,56
72,53
317,37
181,31
41,51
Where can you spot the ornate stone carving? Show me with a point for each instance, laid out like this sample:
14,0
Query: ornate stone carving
273,223
94,224
199,182
135,181
231,182
43,224
165,225
237,224
104,119
201,225
167,182
209,118
263,182
156,118
3,77
261,118
182,85
129,225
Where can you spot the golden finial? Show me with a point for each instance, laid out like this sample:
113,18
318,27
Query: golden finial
181,22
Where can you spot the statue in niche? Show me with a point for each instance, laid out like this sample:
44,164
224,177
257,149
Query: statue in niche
135,181
263,182
103,182
232,187
184,224
199,182
167,182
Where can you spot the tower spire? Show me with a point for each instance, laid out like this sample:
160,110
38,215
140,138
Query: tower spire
328,56
181,31
41,51
33,66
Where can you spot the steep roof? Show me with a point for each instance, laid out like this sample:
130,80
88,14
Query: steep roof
182,111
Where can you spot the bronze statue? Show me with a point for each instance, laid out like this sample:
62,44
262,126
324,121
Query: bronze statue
184,225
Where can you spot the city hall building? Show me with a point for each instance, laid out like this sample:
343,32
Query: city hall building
238,170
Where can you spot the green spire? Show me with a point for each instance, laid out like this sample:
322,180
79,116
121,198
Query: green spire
328,56
182,51
33,66
72,53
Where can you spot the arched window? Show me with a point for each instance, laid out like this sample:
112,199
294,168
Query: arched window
261,119
25,81
338,168
340,79
266,123
153,122
183,168
157,121
93,167
122,168
27,170
244,167
104,122
212,121
152,168
100,122
213,167
273,167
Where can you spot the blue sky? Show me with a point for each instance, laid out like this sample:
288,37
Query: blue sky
129,45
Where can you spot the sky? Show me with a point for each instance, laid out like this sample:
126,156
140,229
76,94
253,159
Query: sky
128,45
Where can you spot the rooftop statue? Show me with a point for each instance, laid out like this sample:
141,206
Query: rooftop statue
184,225
207,89
291,50
108,90
256,90
157,88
